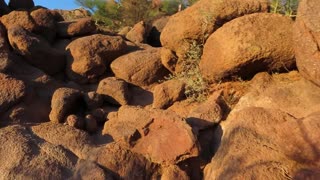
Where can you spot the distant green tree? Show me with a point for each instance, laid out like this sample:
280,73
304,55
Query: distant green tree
171,6
134,11
104,12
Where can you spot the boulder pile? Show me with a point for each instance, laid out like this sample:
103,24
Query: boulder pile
77,102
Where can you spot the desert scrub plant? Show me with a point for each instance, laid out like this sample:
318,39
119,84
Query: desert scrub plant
197,88
286,7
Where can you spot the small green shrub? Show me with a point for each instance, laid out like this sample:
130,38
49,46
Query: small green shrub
197,88
286,7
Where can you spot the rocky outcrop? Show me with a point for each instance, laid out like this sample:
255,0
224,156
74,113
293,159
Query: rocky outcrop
79,27
12,92
289,93
138,33
259,143
36,50
148,131
115,91
89,56
166,93
65,101
200,20
307,40
19,18
46,24
141,68
231,51
25,156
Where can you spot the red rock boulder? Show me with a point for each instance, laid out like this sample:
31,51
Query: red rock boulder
12,91
247,45
89,56
19,18
79,27
197,22
307,40
36,50
141,68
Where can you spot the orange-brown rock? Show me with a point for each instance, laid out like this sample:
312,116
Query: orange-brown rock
165,94
114,90
208,113
19,18
173,172
75,121
247,45
89,56
138,33
65,101
197,22
46,25
36,50
25,156
89,170
150,132
69,15
122,163
307,40
79,27
12,92
141,68
21,4
289,93
259,143
74,140
167,139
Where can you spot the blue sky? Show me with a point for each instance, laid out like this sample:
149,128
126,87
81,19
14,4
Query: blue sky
56,4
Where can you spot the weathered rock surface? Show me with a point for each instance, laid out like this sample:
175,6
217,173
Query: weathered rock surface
173,172
247,45
201,19
307,40
149,133
26,156
138,33
89,56
165,94
259,143
77,27
90,170
141,68
76,141
65,101
36,50
12,91
46,25
69,15
115,91
21,4
132,166
19,18
288,92
209,113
